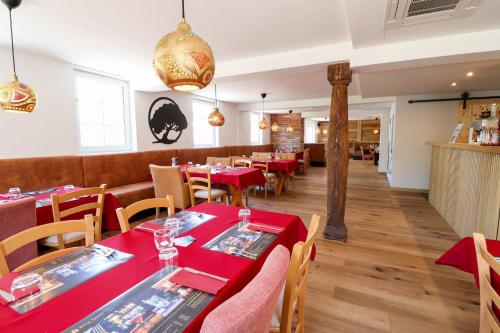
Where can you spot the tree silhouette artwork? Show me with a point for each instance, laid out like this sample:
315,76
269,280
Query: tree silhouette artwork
167,121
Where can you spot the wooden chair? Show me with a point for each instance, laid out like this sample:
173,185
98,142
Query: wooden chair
201,187
271,178
124,214
295,285
245,163
364,155
61,241
304,162
224,161
34,234
288,156
251,309
169,180
488,321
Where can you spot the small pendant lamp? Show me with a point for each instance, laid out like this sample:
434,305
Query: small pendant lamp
318,130
275,127
289,129
216,118
263,123
16,96
183,60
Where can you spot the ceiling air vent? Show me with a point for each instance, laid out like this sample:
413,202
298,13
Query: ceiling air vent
406,12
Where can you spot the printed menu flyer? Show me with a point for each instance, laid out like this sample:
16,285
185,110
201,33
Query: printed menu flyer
154,305
66,272
188,220
242,242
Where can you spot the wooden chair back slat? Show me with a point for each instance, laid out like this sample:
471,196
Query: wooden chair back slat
488,321
11,244
79,209
199,183
242,162
124,214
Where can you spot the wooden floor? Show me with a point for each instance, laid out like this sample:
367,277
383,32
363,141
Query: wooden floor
384,278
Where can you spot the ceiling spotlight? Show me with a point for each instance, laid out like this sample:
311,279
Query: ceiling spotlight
470,74
453,84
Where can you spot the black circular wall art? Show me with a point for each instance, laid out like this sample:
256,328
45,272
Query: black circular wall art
166,120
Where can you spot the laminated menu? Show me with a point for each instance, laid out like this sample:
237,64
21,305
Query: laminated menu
188,220
242,241
154,305
66,272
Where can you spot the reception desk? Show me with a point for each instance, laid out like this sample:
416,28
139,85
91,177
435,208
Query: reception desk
465,187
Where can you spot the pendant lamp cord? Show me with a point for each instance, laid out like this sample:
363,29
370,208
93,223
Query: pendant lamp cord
216,102
12,42
183,14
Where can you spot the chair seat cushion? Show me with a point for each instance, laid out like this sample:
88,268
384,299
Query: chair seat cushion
203,194
68,238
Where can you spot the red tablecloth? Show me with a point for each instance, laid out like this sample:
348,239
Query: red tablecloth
109,219
63,311
462,255
287,166
240,178
299,155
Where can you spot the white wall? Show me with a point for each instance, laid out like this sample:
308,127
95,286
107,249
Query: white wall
416,124
228,133
244,129
52,128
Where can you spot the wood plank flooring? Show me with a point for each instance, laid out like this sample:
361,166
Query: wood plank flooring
384,278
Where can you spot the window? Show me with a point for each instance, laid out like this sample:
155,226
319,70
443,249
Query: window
103,113
309,134
204,135
255,132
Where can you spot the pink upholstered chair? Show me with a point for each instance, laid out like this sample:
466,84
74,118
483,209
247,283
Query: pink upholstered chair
250,310
15,217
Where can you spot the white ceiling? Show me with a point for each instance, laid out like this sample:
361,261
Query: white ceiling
281,47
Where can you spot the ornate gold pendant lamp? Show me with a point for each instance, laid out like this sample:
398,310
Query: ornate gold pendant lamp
318,130
16,96
263,123
275,127
289,129
183,60
216,118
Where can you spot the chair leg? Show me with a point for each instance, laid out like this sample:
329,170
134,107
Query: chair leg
245,192
265,190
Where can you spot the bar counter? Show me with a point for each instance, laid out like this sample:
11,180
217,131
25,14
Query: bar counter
465,187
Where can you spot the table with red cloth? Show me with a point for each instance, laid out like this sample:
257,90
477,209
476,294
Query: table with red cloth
70,307
109,219
283,169
236,179
299,155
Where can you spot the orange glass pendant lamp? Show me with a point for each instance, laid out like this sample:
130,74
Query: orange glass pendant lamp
183,60
263,123
216,118
16,96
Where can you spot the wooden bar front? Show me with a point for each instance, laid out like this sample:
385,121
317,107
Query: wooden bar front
465,187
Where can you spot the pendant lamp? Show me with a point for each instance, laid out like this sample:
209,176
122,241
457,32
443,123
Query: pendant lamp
216,118
275,127
263,123
318,130
289,129
16,96
183,60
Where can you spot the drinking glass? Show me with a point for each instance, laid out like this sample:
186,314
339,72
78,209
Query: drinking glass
244,215
69,187
219,165
15,192
26,284
164,241
190,163
173,224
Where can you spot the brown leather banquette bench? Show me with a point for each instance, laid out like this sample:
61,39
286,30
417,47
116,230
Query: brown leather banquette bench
126,174
316,153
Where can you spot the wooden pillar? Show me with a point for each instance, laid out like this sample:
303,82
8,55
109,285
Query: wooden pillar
337,152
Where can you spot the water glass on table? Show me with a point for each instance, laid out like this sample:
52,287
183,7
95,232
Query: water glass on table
173,224
14,192
164,241
26,284
244,216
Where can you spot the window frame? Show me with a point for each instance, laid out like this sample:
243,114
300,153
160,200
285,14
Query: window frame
215,129
87,150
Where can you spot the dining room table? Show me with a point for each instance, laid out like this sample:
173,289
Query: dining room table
85,300
44,213
283,170
236,179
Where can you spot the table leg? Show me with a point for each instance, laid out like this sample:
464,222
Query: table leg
236,196
281,180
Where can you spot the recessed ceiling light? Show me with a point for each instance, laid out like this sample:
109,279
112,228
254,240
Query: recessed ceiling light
453,84
470,74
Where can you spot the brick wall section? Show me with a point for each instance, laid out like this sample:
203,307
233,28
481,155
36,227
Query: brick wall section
283,140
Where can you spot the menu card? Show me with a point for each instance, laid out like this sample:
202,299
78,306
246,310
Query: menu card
68,271
154,305
241,241
188,220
